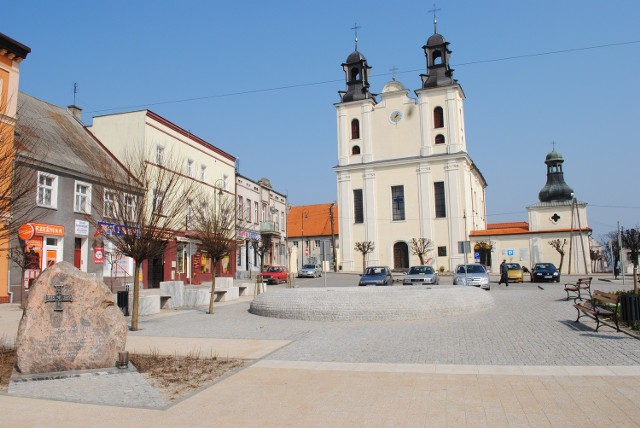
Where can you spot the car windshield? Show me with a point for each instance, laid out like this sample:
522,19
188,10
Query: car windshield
375,271
545,266
513,266
273,269
420,270
472,269
309,267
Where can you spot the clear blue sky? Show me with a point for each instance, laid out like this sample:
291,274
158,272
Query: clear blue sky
260,79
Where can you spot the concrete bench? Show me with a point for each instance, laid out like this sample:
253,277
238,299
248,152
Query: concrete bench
242,290
220,295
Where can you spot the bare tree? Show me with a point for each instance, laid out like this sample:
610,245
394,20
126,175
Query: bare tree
262,247
631,240
420,247
558,245
365,247
145,204
215,229
610,248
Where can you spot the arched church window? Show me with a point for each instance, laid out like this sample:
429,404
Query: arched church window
439,139
355,129
355,74
436,58
355,150
438,117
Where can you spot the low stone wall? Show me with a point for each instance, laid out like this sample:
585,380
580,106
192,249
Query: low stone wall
371,303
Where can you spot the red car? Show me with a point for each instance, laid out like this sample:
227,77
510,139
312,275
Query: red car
275,274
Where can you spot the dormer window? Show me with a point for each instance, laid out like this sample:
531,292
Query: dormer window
355,129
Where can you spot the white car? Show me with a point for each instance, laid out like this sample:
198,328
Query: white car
419,275
309,271
472,274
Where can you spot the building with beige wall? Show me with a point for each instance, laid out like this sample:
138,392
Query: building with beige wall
12,53
261,211
403,167
557,215
165,144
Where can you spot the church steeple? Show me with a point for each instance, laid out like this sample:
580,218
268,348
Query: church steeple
356,72
556,190
439,72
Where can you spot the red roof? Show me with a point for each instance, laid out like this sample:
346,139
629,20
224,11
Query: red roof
317,221
517,228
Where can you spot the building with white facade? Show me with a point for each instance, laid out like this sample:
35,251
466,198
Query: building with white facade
261,212
403,167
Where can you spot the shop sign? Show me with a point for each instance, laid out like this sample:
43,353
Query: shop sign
82,228
246,234
98,255
26,231
48,229
110,229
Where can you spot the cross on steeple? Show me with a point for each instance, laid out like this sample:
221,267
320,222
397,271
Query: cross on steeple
435,21
393,72
355,28
554,145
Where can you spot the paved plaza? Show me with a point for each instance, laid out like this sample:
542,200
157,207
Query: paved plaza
522,363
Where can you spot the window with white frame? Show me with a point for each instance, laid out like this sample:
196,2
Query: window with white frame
255,213
264,212
240,207
129,207
109,205
82,198
181,258
276,221
248,210
203,173
191,171
158,201
47,190
159,155
282,219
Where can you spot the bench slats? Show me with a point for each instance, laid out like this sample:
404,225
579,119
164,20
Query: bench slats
601,304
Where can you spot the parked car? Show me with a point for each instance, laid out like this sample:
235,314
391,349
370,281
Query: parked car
275,274
310,271
418,275
515,273
545,272
376,275
472,274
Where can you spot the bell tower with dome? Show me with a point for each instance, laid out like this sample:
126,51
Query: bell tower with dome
403,168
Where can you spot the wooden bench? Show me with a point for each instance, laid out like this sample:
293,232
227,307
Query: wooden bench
601,305
575,290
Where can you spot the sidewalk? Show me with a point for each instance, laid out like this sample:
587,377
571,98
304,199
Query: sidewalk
524,364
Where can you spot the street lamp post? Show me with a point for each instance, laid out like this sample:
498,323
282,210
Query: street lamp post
304,215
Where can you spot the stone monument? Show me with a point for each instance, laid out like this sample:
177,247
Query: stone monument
70,322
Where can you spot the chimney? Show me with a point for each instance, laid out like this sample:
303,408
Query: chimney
76,111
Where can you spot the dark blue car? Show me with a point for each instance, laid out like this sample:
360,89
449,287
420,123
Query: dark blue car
545,272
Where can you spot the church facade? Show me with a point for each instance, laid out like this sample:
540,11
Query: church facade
403,169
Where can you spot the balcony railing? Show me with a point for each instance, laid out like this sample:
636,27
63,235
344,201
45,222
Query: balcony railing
269,227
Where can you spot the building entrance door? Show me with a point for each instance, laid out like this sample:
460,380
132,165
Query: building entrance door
156,273
400,256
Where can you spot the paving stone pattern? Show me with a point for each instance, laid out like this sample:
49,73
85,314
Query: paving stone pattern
528,326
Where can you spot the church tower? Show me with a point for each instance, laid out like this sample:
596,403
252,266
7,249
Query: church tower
403,170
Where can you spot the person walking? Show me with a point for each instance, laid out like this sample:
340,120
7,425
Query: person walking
504,277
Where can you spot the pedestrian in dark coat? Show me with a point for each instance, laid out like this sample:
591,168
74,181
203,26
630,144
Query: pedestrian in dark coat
504,273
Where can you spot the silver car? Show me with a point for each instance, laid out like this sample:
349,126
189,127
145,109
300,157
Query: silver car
419,275
310,271
475,274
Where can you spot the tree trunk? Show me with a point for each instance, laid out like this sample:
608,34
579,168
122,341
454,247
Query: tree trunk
421,257
635,279
136,297
213,286
364,266
561,261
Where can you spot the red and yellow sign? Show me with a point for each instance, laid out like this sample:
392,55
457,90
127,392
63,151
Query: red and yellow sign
48,229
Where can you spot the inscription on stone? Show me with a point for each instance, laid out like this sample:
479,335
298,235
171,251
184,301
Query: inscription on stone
87,334
58,297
